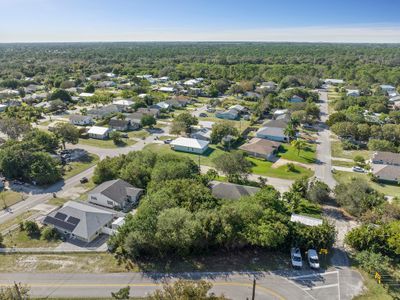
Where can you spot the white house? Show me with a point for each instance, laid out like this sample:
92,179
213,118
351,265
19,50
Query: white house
333,81
189,145
115,194
97,132
81,120
86,95
388,88
167,89
353,93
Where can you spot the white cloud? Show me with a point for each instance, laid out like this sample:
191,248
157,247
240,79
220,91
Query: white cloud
360,34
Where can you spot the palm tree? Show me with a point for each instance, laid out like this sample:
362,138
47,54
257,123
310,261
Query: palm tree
298,145
294,122
290,131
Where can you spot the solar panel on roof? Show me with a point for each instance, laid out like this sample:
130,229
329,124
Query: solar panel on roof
60,216
59,223
73,220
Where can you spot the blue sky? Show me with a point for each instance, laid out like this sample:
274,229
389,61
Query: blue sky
213,20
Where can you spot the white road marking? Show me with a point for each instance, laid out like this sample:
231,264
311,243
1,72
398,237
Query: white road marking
321,287
313,275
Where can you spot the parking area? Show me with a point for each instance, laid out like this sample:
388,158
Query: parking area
319,285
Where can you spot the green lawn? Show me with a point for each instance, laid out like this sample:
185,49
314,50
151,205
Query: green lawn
139,134
8,198
205,159
341,163
307,156
261,167
387,189
75,168
20,239
337,151
108,144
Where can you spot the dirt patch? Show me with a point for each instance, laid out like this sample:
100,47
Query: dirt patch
282,162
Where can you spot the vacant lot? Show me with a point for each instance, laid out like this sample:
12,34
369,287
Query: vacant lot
8,198
108,144
75,168
337,151
387,189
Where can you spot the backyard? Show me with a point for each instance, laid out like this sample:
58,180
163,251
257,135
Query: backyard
77,167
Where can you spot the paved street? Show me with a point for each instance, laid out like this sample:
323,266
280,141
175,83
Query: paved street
324,166
290,285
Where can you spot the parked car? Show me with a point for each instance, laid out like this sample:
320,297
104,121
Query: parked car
168,141
203,115
313,260
84,180
295,254
358,169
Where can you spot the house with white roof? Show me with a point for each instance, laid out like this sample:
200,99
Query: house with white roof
167,89
98,132
333,81
352,93
189,145
306,220
388,88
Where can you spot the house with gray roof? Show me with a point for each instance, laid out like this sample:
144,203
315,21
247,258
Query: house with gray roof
116,193
80,221
273,130
230,114
231,191
81,120
104,111
119,125
386,158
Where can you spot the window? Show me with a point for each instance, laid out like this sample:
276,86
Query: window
93,198
110,203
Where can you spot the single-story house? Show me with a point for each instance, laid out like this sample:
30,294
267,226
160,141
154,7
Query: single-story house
206,124
387,88
390,173
123,104
306,220
178,102
162,105
86,95
106,84
353,93
104,111
3,107
386,158
189,145
270,85
201,134
261,148
167,89
296,99
273,130
116,193
149,111
239,108
333,81
98,132
79,220
119,125
135,120
279,112
231,191
81,120
230,114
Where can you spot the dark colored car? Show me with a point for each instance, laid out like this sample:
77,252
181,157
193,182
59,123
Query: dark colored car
84,180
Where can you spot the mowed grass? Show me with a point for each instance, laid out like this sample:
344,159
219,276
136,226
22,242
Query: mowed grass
263,167
205,159
20,239
8,198
138,134
385,188
337,151
75,168
306,155
260,167
107,144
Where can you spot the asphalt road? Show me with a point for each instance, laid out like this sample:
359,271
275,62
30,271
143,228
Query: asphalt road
290,285
324,165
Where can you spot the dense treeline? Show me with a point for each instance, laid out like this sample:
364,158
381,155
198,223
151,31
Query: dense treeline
358,64
179,214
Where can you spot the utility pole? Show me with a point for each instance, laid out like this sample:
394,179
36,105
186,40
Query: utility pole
253,296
